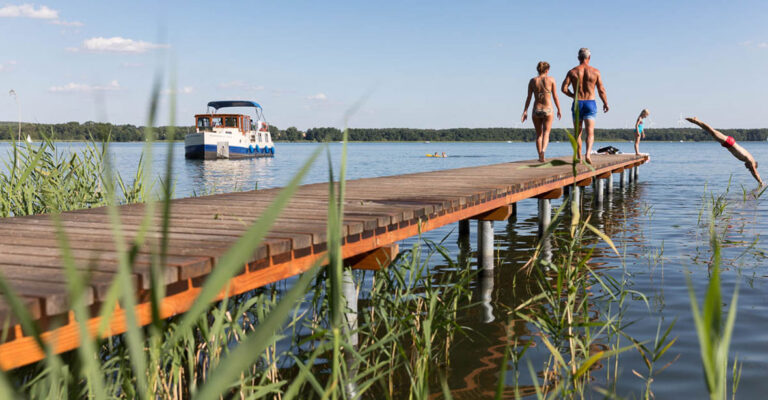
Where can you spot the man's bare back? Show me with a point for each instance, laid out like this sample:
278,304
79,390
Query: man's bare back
587,77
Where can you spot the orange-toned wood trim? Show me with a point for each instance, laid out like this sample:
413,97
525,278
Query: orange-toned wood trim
23,350
584,182
604,175
374,260
552,194
499,214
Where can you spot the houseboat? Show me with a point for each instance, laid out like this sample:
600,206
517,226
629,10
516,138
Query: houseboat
219,135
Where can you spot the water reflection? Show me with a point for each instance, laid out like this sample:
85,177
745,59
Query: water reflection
485,283
477,358
222,176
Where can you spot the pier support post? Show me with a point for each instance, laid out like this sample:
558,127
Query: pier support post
463,230
350,303
636,169
622,179
631,176
486,294
576,193
600,191
465,249
609,186
350,313
545,216
485,245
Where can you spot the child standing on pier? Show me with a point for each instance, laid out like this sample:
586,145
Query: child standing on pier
639,128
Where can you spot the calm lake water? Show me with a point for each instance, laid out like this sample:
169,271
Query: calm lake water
654,224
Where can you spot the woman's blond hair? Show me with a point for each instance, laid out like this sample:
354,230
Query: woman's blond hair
645,112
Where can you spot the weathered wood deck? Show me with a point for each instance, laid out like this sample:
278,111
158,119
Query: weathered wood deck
378,212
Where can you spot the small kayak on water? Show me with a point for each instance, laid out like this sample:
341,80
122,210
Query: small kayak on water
432,155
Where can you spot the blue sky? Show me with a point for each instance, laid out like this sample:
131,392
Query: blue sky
421,64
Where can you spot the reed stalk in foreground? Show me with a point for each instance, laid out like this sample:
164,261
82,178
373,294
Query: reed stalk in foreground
715,333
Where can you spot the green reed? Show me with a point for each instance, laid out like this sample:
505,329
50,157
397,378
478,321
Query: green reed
714,329
38,179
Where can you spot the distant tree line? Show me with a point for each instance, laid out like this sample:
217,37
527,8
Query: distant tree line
98,131
504,134
131,133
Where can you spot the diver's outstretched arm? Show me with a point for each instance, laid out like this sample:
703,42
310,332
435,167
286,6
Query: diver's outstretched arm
752,167
712,131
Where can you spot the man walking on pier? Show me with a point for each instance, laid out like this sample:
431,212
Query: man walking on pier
587,78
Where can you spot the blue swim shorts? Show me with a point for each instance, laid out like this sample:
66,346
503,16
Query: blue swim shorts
587,109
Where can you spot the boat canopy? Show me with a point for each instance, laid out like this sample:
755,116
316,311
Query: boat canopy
233,103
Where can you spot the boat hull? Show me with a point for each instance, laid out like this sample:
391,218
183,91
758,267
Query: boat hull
212,146
211,152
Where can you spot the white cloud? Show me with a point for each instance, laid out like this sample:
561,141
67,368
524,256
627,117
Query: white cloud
42,12
131,65
183,90
83,87
8,66
750,43
28,11
281,92
318,97
70,24
240,85
119,45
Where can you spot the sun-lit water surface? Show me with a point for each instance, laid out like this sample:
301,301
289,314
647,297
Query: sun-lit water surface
654,224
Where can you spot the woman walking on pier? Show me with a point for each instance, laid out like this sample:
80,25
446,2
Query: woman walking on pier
543,87
729,143
639,129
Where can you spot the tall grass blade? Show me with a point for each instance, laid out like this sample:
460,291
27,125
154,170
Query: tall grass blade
237,255
243,354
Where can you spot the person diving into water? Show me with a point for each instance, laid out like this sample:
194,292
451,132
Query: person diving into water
729,143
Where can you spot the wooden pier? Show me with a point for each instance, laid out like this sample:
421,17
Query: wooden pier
379,212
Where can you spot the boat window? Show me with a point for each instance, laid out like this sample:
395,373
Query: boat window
230,122
203,122
216,121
